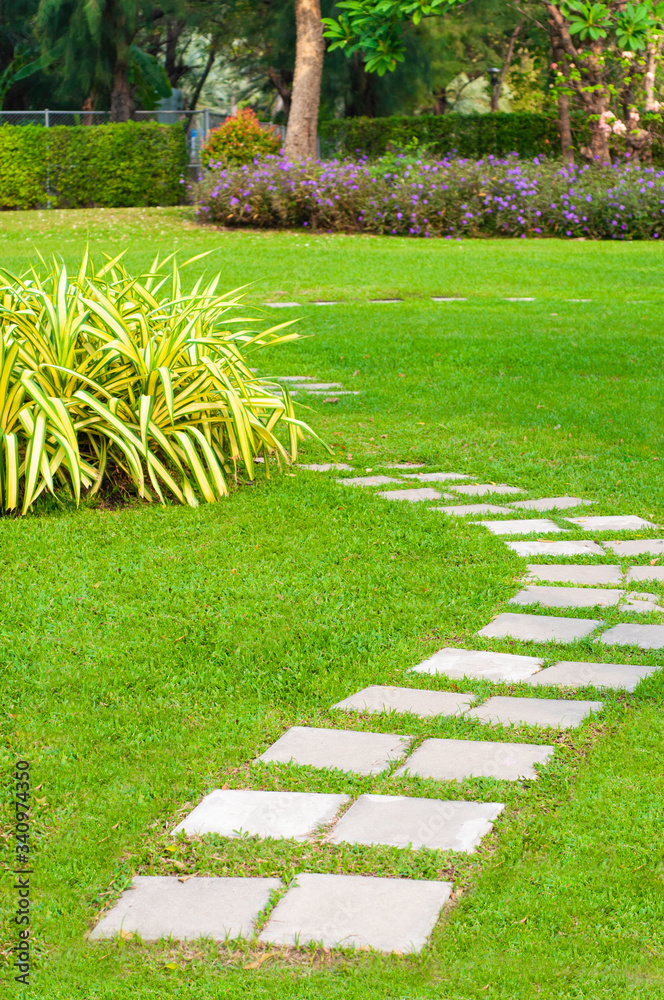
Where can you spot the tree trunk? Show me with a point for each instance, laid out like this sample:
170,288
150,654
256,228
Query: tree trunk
203,77
565,130
649,78
362,100
495,93
122,95
305,99
281,87
564,126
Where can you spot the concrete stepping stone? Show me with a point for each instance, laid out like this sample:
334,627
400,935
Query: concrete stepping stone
463,510
555,713
328,467
413,496
322,386
435,477
645,636
538,628
283,305
336,392
628,522
401,821
368,481
384,301
457,760
589,576
326,302
480,489
567,673
161,906
447,298
406,465
636,574
638,547
415,701
568,597
357,911
233,812
294,378
343,749
559,549
527,526
551,503
482,665
520,299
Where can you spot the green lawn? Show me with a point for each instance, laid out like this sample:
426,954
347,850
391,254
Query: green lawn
150,654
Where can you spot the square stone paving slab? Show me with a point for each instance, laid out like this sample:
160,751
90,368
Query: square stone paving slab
558,714
435,477
401,821
567,673
232,812
343,749
541,525
414,496
589,576
539,628
638,573
645,636
551,503
413,700
321,386
335,392
638,547
160,906
456,760
462,510
568,597
612,523
410,465
480,489
554,548
479,664
357,911
328,467
293,378
368,481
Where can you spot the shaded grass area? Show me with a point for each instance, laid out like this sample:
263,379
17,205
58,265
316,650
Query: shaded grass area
149,655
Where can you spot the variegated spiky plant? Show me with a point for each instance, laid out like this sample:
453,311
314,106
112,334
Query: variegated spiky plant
102,369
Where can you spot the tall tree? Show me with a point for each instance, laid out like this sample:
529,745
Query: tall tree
94,49
305,98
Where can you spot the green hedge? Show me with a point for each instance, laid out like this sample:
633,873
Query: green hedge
524,132
110,166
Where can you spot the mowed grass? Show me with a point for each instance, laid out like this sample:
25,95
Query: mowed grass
149,655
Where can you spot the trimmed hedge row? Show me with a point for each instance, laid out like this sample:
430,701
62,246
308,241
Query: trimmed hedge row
111,166
526,133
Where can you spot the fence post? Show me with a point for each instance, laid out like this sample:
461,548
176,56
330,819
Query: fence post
47,122
206,124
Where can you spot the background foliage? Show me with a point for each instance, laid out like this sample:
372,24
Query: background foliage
110,166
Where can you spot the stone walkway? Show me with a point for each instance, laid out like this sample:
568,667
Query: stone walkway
394,914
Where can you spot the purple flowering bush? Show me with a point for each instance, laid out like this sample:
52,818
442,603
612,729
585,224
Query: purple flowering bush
450,197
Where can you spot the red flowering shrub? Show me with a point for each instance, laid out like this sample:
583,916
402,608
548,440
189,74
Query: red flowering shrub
238,141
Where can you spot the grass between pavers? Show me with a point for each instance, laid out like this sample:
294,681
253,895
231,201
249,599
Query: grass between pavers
211,631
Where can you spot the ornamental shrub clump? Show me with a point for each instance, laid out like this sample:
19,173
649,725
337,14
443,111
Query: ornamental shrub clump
103,372
241,139
448,197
